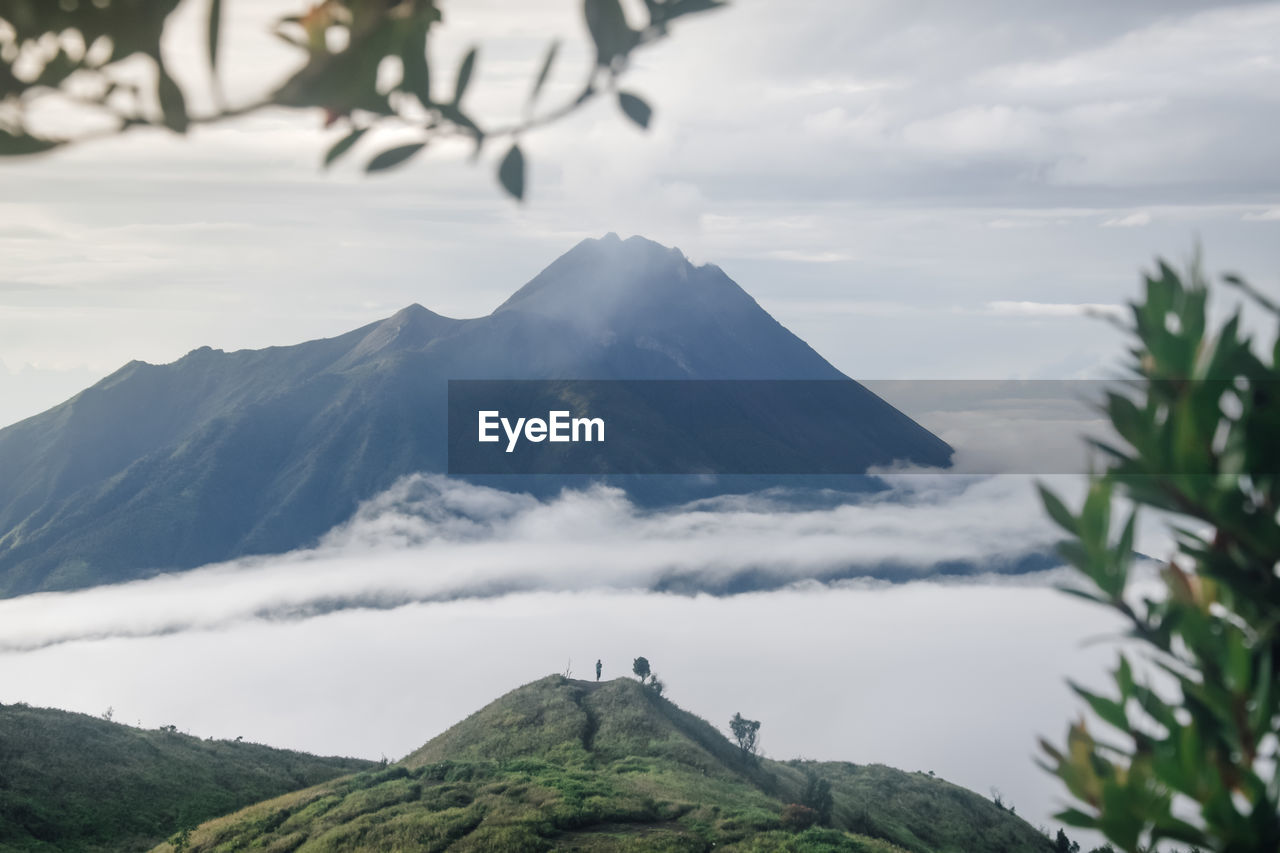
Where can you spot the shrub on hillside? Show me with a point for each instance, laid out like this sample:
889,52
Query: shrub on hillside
797,818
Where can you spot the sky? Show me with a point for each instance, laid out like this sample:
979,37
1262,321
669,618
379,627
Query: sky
919,190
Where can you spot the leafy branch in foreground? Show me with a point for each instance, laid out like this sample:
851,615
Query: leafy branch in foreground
1197,759
366,64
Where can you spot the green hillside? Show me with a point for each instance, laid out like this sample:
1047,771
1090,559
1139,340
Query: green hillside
572,765
70,782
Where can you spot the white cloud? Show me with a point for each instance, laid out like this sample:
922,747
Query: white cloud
978,131
1131,220
433,538
1200,53
804,257
1269,215
1011,308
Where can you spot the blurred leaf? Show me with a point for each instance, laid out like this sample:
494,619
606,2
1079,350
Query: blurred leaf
57,69
1057,509
635,108
464,76
1109,710
9,84
393,157
172,102
607,24
676,8
342,82
511,172
1253,293
215,27
13,145
545,71
1075,817
417,74
461,119
343,145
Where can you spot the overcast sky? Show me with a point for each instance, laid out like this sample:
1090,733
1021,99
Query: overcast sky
919,189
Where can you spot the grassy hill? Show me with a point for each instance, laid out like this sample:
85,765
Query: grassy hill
70,782
571,765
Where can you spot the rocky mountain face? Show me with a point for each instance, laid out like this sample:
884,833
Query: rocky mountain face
225,454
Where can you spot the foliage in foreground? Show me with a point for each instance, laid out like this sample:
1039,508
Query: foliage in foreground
364,63
1191,754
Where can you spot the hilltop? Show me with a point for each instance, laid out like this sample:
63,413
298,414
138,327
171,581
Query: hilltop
70,782
222,455
573,765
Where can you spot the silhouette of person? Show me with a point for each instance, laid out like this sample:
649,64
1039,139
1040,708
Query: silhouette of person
598,667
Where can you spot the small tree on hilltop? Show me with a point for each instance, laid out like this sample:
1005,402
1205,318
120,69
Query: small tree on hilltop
640,666
747,734
1063,844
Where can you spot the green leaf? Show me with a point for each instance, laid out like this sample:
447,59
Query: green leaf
215,25
172,102
455,115
17,145
343,145
635,108
1057,509
1075,817
545,71
394,157
417,73
1109,710
609,31
57,69
1124,547
464,76
511,172
1085,594
687,7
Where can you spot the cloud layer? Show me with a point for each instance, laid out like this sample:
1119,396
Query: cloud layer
431,538
438,596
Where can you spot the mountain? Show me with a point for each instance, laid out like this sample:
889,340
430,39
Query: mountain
70,782
220,455
572,765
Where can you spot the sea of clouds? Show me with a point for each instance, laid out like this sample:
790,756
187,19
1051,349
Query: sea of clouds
438,596
433,538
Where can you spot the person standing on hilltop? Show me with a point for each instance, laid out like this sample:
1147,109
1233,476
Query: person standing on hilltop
598,668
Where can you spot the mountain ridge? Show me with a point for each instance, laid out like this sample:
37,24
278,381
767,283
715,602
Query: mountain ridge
219,455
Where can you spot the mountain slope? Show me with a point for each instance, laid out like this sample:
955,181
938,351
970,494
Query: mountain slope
69,782
573,765
220,455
